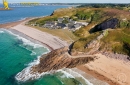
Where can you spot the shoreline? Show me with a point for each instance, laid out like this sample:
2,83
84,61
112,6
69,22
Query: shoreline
53,42
97,69
44,44
9,25
96,75
12,24
30,38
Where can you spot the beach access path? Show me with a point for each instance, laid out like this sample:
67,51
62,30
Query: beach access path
48,39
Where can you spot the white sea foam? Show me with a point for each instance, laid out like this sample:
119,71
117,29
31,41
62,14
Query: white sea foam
1,31
27,73
73,74
26,41
33,53
66,74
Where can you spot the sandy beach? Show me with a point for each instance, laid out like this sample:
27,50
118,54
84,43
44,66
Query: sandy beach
12,24
48,39
112,71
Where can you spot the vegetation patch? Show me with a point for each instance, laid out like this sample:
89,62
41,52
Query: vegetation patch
100,17
116,41
82,42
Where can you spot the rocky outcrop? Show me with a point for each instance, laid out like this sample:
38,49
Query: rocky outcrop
94,45
59,59
53,61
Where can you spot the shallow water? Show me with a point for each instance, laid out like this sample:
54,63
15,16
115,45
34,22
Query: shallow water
14,56
16,53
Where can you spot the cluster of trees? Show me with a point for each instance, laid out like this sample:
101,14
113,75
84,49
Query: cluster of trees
82,15
105,5
91,16
124,24
96,16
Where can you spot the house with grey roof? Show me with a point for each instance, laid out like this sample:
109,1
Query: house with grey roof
61,25
60,20
70,24
50,24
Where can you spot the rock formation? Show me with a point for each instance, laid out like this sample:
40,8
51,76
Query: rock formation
52,61
94,45
59,59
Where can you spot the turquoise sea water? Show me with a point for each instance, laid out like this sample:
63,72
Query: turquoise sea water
16,53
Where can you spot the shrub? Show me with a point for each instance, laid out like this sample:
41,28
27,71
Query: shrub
124,24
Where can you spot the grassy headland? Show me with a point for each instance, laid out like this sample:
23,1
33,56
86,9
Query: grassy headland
117,39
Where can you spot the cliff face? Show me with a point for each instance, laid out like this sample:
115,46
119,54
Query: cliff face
59,59
112,23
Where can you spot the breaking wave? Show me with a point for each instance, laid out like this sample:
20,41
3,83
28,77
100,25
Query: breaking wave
1,31
25,43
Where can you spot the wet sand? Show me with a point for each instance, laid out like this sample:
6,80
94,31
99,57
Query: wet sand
12,24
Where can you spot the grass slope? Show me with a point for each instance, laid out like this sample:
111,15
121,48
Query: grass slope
117,40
